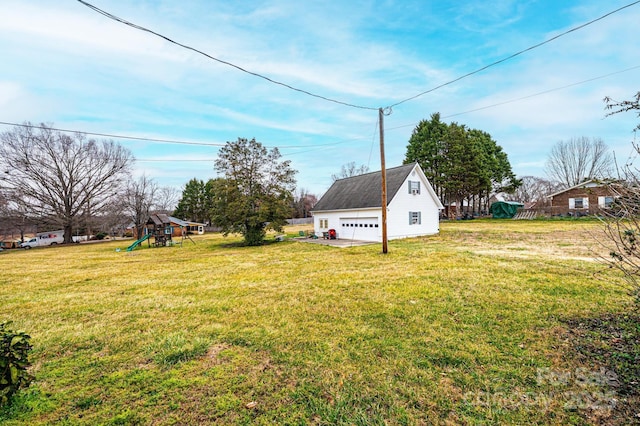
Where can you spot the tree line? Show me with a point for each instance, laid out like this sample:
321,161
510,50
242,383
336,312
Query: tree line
466,166
55,179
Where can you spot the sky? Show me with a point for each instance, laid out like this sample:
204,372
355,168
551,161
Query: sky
66,65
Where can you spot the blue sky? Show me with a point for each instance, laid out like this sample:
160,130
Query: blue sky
63,63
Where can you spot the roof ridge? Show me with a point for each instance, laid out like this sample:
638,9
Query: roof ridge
378,171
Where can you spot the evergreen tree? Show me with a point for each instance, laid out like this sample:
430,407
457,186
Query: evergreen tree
461,163
426,146
256,191
195,203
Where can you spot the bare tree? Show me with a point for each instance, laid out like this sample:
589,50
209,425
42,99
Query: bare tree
621,225
303,203
114,220
617,107
578,159
350,169
138,200
534,188
13,216
167,199
61,177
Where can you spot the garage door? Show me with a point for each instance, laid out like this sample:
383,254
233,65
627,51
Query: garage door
359,228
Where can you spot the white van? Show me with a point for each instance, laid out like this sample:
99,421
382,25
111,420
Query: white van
44,239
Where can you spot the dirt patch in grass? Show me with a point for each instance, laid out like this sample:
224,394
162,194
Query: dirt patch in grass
606,349
576,244
236,386
213,353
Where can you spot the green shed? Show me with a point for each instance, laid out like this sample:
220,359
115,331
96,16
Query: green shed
504,209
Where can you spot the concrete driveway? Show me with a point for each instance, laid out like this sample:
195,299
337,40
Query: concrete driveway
342,243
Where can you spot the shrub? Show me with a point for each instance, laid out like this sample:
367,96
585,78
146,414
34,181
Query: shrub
14,351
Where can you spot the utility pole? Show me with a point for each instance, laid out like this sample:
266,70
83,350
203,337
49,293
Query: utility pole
384,183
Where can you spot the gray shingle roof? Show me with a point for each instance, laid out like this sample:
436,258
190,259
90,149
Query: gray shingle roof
158,219
363,191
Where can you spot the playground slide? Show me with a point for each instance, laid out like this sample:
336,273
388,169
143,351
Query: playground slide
138,242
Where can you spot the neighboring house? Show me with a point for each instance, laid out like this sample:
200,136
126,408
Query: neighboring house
186,226
352,206
588,197
176,226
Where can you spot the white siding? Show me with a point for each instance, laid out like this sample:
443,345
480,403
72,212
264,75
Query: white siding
356,217
398,224
360,228
398,210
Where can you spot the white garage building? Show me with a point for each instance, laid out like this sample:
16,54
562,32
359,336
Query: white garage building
352,206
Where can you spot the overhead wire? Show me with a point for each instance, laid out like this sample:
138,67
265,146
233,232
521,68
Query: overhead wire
514,54
387,110
314,147
255,74
544,92
146,139
108,135
389,107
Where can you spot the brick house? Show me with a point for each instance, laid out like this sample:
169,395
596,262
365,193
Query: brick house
586,198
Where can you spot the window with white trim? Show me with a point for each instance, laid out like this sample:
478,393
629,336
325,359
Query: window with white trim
579,203
415,218
414,187
605,202
324,223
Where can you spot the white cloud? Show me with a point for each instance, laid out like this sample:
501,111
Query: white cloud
68,65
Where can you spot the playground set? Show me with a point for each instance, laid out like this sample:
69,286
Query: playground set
159,228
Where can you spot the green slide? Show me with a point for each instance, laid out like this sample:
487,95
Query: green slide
137,243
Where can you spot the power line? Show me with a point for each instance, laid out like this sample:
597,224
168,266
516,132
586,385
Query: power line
170,141
515,54
141,28
544,92
314,147
526,97
107,135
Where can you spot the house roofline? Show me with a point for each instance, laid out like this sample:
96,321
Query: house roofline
430,189
581,184
347,210
184,222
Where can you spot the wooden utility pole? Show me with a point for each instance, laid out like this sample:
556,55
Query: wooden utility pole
384,183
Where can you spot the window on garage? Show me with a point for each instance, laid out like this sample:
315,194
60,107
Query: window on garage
415,218
414,187
324,223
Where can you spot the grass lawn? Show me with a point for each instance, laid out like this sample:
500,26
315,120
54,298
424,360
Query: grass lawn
489,322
